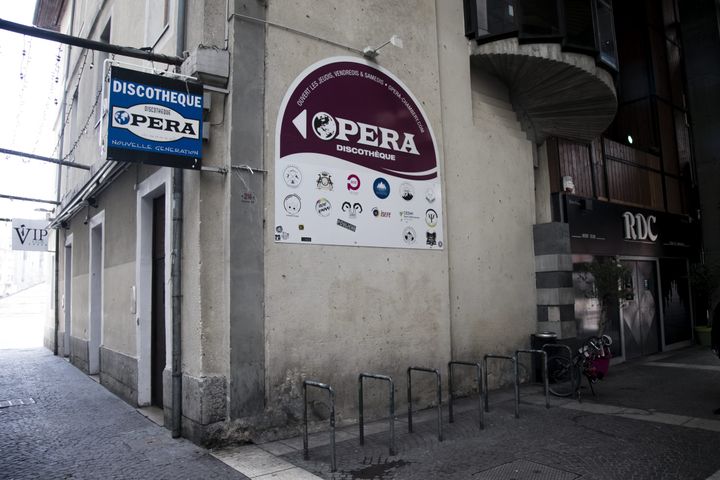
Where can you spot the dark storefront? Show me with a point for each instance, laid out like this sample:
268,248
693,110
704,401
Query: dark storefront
654,310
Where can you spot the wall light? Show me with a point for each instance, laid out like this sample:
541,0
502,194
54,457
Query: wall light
371,52
630,139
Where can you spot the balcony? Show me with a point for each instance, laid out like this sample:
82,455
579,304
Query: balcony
557,58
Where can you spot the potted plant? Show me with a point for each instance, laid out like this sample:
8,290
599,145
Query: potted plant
704,281
608,282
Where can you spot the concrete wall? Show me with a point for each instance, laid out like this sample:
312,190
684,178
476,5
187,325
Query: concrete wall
490,203
332,312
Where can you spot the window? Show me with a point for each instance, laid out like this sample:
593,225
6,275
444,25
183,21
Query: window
158,19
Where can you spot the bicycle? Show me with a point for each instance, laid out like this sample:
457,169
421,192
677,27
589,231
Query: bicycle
592,361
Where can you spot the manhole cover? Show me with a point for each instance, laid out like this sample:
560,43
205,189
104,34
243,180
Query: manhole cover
16,402
524,470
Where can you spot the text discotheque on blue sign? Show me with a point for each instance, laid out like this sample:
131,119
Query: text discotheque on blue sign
154,119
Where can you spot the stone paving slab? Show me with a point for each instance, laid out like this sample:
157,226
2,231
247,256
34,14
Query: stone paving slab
76,429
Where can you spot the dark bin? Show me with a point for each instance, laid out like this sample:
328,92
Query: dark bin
537,340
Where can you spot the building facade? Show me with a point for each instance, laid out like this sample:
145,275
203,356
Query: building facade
505,144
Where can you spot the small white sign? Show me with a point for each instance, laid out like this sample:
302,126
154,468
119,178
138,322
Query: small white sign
30,235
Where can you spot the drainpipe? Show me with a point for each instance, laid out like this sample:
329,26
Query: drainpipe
58,182
177,219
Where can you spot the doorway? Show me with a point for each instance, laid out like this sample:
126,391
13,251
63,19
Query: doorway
67,295
157,340
639,310
96,226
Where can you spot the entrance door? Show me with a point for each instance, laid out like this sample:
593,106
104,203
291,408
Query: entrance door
157,360
641,324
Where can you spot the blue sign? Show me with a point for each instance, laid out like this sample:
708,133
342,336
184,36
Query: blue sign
381,187
154,119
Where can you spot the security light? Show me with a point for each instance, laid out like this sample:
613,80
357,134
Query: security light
371,52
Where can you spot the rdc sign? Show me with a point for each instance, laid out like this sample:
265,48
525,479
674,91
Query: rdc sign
30,235
639,226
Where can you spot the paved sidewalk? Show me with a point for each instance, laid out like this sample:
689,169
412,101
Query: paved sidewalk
70,427
652,420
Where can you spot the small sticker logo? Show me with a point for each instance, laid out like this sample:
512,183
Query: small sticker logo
346,225
409,235
431,238
324,181
407,191
430,195
352,209
292,205
381,187
353,182
323,207
431,217
292,176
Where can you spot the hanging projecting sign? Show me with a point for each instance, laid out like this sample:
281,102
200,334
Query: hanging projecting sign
30,235
154,119
356,161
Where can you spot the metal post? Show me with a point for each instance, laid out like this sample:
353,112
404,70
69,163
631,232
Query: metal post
544,355
361,418
479,380
485,377
331,392
572,368
517,386
439,397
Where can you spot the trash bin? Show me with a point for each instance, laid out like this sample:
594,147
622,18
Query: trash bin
537,340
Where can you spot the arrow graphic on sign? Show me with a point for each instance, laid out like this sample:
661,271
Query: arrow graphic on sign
300,123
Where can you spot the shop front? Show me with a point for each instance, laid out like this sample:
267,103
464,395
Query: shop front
652,310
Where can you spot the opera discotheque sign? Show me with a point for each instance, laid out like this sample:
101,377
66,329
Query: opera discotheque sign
154,119
356,161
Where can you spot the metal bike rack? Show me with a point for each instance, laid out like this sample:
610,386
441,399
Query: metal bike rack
323,386
544,355
439,397
485,381
392,407
477,365
570,357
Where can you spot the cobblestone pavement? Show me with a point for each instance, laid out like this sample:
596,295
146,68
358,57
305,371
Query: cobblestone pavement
76,429
650,421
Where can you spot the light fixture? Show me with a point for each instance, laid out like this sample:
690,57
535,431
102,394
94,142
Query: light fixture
371,52
630,139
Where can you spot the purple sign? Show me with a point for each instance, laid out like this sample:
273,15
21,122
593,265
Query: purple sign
350,133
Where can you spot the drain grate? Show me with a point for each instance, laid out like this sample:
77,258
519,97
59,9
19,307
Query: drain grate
524,470
16,402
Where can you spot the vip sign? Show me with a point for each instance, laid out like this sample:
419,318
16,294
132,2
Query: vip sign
356,161
639,227
154,119
30,235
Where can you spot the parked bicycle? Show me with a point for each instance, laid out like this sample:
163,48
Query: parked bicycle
591,361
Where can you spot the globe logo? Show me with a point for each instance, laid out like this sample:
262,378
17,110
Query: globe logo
324,126
122,117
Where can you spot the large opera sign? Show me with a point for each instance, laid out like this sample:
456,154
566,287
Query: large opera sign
356,161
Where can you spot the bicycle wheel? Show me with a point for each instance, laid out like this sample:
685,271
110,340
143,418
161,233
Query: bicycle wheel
561,376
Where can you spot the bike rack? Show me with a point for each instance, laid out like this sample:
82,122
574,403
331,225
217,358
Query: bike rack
331,392
570,357
439,397
485,381
392,407
480,389
544,355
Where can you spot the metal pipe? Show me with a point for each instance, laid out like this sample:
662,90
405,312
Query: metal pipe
361,417
89,44
44,159
546,381
479,380
438,392
485,375
331,392
27,199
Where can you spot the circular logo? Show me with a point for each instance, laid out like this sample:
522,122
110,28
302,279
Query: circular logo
381,187
431,217
353,182
292,176
323,207
407,191
409,235
324,126
375,212
292,204
122,117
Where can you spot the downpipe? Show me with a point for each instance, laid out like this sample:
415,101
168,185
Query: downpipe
176,270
